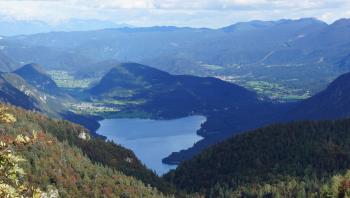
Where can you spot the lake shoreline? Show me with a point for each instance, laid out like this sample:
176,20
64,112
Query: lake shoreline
158,137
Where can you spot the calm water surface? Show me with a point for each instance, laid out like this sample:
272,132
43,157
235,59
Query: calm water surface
153,140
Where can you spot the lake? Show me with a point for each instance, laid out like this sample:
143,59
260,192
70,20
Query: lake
153,140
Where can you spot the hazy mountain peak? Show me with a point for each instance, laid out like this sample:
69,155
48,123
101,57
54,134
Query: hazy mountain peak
301,20
138,67
345,22
36,76
11,27
32,67
258,24
250,25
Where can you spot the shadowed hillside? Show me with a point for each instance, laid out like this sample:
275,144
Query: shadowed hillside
306,153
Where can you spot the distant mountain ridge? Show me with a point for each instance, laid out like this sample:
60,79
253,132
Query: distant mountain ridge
11,27
277,52
259,25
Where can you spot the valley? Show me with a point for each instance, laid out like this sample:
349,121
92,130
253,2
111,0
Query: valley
66,80
256,109
273,91
288,55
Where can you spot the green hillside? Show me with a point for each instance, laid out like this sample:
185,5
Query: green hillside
62,157
286,158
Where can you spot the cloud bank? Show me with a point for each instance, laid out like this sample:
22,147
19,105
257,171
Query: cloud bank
195,13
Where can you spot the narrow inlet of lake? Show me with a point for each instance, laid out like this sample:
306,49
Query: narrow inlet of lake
153,140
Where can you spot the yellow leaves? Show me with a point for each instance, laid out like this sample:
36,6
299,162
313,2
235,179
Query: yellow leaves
2,145
37,193
8,191
22,139
6,117
11,185
9,172
35,135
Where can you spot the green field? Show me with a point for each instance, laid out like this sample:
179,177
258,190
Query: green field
102,107
276,91
65,79
272,90
212,67
90,108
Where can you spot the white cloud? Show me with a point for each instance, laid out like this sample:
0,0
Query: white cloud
212,4
212,13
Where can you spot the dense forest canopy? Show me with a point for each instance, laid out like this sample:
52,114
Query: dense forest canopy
306,152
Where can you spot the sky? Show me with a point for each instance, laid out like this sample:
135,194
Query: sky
193,13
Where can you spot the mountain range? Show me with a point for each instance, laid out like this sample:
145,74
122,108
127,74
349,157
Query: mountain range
277,52
252,146
308,153
12,27
164,96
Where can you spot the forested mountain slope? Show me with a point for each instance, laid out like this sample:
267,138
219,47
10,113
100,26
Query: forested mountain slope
332,103
10,94
68,159
171,95
308,153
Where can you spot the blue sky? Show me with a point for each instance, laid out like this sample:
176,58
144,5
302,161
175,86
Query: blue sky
195,13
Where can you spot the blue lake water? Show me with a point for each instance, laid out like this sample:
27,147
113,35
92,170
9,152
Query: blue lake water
153,140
